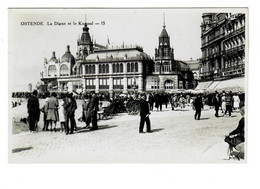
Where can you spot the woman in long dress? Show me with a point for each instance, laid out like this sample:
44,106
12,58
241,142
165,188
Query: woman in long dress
223,104
61,116
236,101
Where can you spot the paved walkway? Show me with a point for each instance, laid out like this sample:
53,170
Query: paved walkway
176,137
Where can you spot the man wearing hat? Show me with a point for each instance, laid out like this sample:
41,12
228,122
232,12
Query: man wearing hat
144,115
93,109
216,102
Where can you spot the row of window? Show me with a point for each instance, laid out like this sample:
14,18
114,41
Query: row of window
91,69
52,71
118,83
166,67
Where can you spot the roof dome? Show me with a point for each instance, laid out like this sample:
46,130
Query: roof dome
68,57
53,58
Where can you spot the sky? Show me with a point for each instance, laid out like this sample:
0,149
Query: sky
28,45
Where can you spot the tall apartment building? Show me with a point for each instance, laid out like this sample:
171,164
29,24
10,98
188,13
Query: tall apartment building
222,46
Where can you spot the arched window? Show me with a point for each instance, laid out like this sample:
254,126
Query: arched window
128,67
114,68
132,67
107,68
93,69
121,68
100,69
64,70
136,67
103,68
117,68
52,70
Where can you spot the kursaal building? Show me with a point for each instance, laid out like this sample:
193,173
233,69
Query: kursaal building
122,69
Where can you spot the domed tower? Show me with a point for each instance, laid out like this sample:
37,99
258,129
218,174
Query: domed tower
67,62
85,44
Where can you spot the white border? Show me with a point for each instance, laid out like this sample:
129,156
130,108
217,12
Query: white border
137,175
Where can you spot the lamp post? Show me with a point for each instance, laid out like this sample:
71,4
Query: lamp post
134,83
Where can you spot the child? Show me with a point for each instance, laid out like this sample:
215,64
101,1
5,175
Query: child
44,109
62,117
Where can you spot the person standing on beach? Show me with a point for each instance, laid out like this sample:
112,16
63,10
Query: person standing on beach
144,115
33,108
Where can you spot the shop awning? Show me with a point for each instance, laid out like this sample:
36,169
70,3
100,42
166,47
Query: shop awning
234,85
203,85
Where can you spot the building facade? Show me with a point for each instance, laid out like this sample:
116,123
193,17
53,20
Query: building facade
169,74
222,46
121,69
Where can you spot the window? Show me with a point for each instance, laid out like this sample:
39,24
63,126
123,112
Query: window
118,83
132,83
121,68
128,67
136,67
103,83
90,84
52,70
168,84
64,70
107,68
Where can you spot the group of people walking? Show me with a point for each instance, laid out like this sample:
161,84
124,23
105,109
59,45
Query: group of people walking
63,113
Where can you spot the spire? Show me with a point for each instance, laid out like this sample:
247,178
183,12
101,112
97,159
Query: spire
85,20
164,20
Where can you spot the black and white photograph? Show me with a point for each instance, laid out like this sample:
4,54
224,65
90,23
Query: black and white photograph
128,85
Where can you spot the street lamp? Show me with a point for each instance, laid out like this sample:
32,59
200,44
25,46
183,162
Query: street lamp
134,83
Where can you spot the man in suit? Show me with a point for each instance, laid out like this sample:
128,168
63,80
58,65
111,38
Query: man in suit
33,108
93,109
216,102
198,106
70,107
144,115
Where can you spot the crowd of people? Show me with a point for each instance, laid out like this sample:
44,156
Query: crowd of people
64,113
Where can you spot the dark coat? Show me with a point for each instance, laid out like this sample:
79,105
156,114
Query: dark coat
33,105
70,107
198,103
93,105
216,101
240,128
144,108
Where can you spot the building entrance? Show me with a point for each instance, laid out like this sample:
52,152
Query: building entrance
168,84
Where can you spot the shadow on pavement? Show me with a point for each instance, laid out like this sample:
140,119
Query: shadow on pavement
156,130
204,118
101,127
16,150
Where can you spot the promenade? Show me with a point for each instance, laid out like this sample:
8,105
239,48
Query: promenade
176,138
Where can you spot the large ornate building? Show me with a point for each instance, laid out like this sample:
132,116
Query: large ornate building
121,69
222,46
